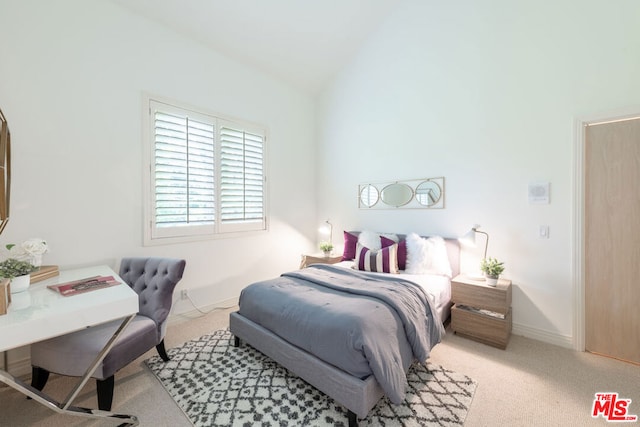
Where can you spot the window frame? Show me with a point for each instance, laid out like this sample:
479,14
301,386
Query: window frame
154,235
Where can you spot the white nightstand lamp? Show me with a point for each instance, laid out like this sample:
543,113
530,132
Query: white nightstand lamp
327,230
469,239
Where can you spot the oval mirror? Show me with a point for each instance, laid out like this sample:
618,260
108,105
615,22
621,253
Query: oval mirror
397,194
369,195
428,193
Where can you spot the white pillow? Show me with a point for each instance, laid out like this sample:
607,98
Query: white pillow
371,239
427,256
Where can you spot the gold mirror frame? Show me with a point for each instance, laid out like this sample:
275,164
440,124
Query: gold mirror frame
5,171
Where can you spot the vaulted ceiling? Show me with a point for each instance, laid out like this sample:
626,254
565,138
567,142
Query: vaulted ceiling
303,42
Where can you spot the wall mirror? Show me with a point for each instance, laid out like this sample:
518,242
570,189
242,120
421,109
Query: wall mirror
426,193
396,194
368,195
5,171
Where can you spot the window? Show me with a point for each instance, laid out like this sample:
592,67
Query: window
206,174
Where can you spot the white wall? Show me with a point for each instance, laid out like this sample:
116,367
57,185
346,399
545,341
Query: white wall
72,75
484,93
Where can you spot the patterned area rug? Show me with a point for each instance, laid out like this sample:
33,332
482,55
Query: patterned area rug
217,384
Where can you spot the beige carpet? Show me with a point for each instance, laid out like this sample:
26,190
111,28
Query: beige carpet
528,384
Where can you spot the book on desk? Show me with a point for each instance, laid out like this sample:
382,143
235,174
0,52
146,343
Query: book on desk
84,285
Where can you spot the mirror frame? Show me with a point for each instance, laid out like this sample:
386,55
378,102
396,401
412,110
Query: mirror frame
5,171
413,202
364,196
399,194
432,187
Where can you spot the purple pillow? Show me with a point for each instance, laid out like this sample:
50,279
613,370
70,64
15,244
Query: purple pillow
402,250
350,242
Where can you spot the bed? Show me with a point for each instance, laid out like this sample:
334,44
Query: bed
353,329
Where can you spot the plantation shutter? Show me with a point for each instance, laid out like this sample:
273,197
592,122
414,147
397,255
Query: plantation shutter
206,175
241,178
184,193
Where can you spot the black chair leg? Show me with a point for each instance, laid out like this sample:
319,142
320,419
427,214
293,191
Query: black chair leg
105,393
162,352
39,377
353,419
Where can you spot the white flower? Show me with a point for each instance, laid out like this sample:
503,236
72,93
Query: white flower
35,246
28,249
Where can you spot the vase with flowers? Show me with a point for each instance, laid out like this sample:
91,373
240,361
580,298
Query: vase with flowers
30,250
18,272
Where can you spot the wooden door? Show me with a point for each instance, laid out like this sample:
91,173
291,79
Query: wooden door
612,239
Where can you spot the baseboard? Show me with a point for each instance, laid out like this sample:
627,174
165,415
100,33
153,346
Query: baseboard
542,335
195,312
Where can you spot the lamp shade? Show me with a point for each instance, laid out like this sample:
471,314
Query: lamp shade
469,238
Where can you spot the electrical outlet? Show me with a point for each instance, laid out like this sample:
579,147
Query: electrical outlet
183,294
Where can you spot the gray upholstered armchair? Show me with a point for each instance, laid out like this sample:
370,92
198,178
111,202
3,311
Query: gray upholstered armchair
154,280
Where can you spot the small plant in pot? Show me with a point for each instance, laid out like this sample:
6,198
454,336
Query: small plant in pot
492,269
18,271
326,247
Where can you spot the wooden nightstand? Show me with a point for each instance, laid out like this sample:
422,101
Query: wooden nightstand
481,312
307,260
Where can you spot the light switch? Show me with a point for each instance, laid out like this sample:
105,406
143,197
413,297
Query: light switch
543,232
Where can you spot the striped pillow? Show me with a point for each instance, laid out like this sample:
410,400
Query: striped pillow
384,260
402,250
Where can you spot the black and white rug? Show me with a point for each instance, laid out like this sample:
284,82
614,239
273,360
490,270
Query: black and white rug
217,384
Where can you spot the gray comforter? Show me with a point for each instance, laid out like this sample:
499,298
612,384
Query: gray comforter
360,323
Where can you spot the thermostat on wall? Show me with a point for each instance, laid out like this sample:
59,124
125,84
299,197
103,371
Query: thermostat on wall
539,193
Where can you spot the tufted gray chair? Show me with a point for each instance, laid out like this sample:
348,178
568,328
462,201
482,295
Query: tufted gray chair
154,280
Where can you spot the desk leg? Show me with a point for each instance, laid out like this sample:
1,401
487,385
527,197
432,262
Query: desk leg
66,408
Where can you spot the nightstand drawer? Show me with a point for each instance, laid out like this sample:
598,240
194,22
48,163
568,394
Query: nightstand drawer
475,293
481,327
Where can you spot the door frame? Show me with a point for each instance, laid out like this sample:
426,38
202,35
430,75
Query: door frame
578,249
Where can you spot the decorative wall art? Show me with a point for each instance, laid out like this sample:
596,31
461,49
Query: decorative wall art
426,193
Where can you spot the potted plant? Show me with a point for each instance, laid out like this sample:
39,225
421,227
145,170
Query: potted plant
492,269
18,272
326,247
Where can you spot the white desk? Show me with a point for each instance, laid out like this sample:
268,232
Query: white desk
40,313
